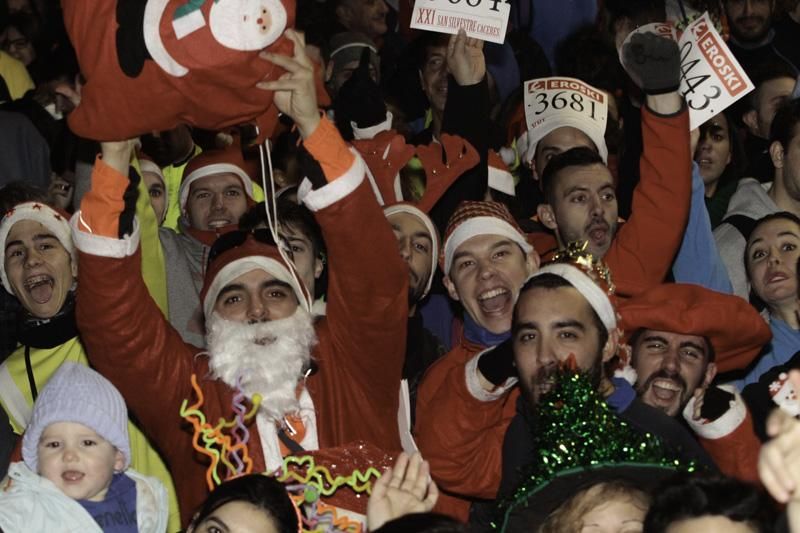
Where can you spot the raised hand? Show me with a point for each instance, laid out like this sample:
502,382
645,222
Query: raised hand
295,91
465,60
403,489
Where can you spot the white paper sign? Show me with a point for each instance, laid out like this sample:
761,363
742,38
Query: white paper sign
483,19
565,102
711,78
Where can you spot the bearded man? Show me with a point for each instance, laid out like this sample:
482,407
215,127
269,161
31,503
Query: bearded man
259,333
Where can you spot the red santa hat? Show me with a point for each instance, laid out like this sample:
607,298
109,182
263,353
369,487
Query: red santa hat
734,328
238,254
222,161
588,278
471,219
55,220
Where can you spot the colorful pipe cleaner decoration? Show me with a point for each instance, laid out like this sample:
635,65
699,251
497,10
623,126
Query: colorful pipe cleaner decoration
229,448
317,481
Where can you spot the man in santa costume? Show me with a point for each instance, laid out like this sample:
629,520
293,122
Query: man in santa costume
476,431
486,259
323,384
681,336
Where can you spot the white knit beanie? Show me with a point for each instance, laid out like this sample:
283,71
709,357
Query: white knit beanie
76,393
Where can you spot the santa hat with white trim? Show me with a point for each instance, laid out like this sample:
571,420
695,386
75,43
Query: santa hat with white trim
241,254
472,219
212,162
55,220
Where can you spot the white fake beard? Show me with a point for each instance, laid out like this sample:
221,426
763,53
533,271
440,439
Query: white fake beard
268,358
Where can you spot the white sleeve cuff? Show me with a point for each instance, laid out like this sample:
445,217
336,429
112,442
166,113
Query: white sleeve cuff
722,426
104,246
474,384
372,131
335,190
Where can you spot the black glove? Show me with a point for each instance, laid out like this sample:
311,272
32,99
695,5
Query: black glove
653,62
359,100
498,365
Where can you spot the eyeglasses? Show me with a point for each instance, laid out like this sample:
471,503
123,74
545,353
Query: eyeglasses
234,239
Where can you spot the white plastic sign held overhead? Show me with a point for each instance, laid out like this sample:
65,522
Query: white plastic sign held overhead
711,78
483,19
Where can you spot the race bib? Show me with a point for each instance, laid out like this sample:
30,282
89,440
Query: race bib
556,102
711,78
483,19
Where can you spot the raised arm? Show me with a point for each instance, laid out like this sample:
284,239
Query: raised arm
125,333
643,250
367,306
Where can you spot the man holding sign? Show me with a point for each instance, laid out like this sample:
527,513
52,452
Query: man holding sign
580,192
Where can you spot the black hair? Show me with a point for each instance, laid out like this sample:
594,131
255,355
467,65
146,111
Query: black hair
693,497
735,169
590,55
580,156
426,40
300,218
18,192
422,523
784,125
710,351
771,68
264,492
552,281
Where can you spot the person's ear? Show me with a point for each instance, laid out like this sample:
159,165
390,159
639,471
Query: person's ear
776,154
750,119
547,216
610,348
451,288
532,262
319,264
329,70
711,373
119,462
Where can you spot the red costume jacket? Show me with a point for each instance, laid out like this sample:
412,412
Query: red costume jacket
361,341
644,247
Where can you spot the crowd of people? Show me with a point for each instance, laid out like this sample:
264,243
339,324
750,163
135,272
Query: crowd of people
403,306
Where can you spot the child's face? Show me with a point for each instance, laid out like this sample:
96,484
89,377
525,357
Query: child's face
77,460
619,515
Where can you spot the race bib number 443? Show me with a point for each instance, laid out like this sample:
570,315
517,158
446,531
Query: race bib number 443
711,78
483,19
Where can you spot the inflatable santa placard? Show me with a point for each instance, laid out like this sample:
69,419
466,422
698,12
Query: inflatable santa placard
151,65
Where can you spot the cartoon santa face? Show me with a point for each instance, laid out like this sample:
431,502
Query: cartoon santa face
247,24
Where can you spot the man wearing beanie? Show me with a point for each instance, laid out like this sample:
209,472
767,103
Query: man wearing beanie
261,338
76,455
40,269
477,438
485,258
681,336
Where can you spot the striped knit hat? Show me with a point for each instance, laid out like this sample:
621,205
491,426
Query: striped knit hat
479,218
